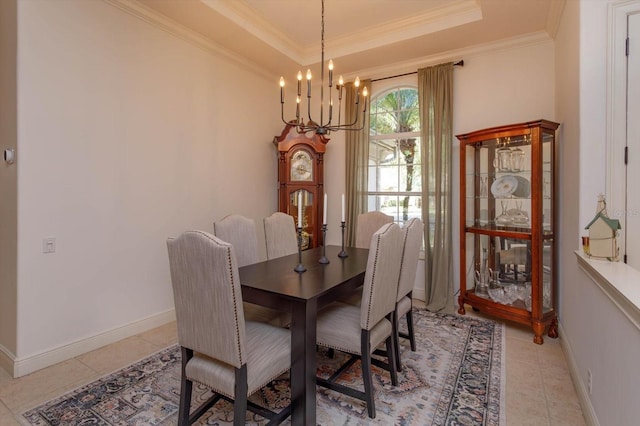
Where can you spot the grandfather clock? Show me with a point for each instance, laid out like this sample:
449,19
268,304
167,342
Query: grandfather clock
301,171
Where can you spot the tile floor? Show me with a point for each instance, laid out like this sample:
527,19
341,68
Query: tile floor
539,390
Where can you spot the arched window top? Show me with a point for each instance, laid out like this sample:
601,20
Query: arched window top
395,111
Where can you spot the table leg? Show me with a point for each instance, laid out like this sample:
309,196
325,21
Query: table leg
303,363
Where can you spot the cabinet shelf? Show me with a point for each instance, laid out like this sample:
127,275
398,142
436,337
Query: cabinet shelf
507,232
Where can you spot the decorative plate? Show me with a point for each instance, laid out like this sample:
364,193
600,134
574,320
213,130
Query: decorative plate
524,187
504,186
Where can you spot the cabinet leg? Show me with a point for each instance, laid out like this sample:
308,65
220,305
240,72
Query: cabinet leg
538,329
461,310
553,328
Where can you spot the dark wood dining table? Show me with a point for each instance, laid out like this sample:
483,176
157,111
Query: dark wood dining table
275,284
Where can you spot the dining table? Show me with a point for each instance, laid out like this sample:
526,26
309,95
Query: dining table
275,284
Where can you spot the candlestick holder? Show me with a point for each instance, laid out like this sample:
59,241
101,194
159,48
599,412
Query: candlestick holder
342,252
324,259
299,267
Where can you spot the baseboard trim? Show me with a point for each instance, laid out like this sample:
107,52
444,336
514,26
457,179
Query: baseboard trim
7,360
22,366
419,293
583,394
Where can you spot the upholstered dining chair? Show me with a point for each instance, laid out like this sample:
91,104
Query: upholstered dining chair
280,235
359,330
241,233
220,350
412,234
367,224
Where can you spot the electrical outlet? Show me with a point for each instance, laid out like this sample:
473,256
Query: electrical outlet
49,245
589,381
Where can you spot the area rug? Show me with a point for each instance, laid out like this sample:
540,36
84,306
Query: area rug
456,377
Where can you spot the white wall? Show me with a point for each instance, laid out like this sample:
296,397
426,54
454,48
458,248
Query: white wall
568,102
8,184
597,336
127,135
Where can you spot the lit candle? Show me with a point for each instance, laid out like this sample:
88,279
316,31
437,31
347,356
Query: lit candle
300,209
281,90
308,83
343,207
365,92
330,73
324,212
299,81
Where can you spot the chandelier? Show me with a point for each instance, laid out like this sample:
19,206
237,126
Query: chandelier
321,127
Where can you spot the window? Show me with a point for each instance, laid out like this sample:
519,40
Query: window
395,172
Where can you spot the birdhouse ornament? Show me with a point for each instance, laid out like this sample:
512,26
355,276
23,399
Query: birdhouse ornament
603,234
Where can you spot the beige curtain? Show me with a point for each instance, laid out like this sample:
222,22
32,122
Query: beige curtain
435,91
357,158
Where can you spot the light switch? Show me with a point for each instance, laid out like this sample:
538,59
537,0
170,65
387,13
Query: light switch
49,245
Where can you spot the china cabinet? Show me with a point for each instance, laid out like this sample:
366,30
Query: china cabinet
508,224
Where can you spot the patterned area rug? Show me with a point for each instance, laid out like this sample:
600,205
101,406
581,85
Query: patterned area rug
454,378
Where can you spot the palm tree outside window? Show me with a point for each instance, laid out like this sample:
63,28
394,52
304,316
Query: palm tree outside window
394,164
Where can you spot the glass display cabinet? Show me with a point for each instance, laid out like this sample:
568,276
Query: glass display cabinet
508,225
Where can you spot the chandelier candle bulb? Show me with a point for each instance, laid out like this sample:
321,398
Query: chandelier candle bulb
281,89
330,73
365,92
299,82
309,84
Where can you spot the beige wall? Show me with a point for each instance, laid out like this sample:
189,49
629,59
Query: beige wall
128,135
8,184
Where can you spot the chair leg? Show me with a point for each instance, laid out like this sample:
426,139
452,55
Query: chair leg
240,398
366,372
396,337
186,387
412,336
391,356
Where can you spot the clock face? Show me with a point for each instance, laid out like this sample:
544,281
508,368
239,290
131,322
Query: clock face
301,166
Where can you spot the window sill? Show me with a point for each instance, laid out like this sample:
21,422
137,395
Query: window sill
619,281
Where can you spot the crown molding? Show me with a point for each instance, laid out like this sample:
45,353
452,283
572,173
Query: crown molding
454,13
538,37
244,16
553,17
180,31
449,16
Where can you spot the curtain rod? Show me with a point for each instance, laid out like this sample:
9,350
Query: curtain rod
460,63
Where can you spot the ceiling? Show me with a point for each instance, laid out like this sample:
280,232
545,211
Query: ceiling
361,36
